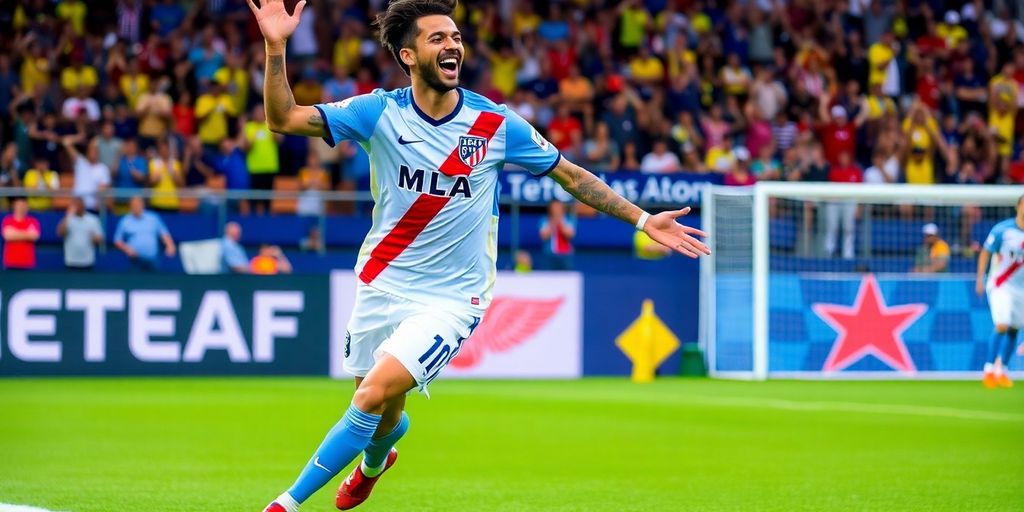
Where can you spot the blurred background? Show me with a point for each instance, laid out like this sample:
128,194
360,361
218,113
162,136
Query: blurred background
136,131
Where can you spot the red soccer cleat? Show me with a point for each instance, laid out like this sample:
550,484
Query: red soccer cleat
356,488
274,507
990,380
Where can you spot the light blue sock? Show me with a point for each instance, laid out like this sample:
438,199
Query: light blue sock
377,452
1008,346
349,437
998,338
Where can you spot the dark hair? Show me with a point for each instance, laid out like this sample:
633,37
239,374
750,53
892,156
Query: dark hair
397,24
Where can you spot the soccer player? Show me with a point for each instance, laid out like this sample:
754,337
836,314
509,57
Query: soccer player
427,266
1005,288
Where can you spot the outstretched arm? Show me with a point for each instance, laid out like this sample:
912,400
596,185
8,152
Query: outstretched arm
283,115
662,228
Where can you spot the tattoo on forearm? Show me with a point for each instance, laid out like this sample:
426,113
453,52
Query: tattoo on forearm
592,191
275,65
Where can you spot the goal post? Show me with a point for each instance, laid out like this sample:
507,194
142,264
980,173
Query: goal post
824,280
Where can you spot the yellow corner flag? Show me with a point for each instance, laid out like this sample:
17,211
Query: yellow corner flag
647,342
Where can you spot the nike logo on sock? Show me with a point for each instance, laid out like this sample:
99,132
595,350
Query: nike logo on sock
316,462
402,141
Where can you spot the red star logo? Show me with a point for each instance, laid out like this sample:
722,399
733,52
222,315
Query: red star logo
869,327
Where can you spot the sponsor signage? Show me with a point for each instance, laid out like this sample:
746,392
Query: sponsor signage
531,330
84,324
675,189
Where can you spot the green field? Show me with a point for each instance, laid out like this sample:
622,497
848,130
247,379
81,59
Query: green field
83,445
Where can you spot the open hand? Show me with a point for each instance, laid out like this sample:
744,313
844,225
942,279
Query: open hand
275,22
664,229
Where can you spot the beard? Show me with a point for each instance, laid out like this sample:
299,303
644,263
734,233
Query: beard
432,76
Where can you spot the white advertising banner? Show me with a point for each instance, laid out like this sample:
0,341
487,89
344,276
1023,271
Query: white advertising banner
533,328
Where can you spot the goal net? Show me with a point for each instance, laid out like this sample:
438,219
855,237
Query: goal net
823,280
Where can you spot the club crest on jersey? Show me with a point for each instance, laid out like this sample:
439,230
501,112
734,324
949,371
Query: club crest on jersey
472,149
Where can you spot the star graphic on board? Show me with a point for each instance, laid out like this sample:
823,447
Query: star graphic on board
869,327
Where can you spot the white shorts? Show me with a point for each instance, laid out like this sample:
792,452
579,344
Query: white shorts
1007,306
423,338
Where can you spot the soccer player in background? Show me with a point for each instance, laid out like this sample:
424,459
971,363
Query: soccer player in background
1005,287
427,266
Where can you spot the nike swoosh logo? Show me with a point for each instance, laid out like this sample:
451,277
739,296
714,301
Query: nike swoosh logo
316,462
402,141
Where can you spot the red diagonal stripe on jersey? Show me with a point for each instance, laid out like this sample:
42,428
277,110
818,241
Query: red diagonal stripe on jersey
1002,278
486,125
422,211
1005,276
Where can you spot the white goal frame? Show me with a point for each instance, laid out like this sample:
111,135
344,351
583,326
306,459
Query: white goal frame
952,195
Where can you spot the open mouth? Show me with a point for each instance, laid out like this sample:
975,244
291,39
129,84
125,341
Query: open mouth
449,66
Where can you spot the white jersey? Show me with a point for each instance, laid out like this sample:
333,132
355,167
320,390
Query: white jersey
434,237
1006,243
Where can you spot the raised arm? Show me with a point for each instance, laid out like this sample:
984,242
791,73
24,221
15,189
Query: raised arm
662,228
983,258
283,115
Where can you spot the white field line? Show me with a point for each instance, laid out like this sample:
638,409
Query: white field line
7,507
792,405
858,407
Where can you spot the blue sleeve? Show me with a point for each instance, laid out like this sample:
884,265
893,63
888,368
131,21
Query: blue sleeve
527,148
160,227
119,232
354,118
995,237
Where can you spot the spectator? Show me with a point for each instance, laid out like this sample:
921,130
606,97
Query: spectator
232,255
557,232
20,232
41,177
933,254
313,180
842,212
261,159
133,83
313,241
236,81
339,87
91,175
9,167
924,138
212,111
270,260
78,76
230,163
132,169
838,134
660,160
139,235
184,115
208,56
81,232
165,177
566,132
109,145
154,110
523,262
601,153
766,167
739,174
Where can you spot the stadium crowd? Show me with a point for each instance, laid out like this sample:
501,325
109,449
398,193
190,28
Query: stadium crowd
165,94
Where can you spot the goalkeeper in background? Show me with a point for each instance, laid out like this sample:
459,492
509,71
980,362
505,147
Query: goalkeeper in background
1005,288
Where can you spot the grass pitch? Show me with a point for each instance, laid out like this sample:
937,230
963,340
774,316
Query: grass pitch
83,445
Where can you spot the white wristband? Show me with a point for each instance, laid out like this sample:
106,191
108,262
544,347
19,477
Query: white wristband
642,220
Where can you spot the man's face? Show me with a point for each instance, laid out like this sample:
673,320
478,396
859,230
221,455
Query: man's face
930,239
438,53
136,206
20,208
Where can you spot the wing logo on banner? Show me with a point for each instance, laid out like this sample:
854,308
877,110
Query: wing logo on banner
869,327
508,323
